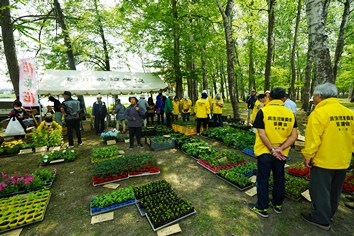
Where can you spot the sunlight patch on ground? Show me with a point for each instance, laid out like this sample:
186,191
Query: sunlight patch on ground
215,213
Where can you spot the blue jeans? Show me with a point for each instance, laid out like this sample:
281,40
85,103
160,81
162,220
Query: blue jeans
265,164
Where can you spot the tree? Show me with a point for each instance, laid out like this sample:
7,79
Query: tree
9,43
270,43
316,11
226,16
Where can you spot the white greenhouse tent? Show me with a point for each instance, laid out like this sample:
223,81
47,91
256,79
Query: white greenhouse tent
55,82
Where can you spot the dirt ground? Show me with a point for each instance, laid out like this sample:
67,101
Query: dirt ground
221,209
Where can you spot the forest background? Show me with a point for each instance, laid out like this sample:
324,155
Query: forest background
224,46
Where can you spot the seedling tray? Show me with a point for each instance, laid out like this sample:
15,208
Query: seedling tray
160,146
300,176
143,174
293,198
112,181
33,222
57,161
190,155
235,185
170,223
206,167
140,209
97,210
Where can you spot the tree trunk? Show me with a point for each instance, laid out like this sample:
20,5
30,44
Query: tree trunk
230,53
270,41
340,40
292,94
318,38
204,68
9,44
67,42
176,51
104,42
222,79
306,90
251,70
240,76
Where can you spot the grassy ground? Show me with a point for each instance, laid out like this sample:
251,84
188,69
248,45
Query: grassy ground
221,209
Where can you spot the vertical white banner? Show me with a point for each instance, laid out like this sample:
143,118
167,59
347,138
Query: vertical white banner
28,83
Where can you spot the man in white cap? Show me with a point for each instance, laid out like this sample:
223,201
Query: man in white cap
99,112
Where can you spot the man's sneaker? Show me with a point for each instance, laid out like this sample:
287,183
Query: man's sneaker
140,146
308,218
80,144
277,208
263,213
69,146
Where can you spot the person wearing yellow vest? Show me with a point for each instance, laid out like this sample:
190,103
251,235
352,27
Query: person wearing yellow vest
175,109
267,100
202,111
217,106
186,104
276,131
329,139
48,124
257,106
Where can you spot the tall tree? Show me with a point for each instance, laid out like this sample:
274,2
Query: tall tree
176,50
9,43
103,38
226,16
316,11
270,43
66,35
292,93
340,40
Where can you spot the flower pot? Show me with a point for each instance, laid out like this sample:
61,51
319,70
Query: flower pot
13,223
4,225
29,218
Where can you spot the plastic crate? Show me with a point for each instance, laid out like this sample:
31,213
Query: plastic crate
161,146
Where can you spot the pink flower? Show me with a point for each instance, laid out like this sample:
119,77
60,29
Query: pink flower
29,180
4,175
55,170
40,167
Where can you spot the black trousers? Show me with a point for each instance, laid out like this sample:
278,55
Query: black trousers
168,119
200,121
99,124
134,131
325,190
71,126
160,118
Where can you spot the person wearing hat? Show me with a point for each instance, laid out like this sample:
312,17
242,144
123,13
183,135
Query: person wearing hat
168,109
48,124
257,106
276,131
202,111
99,113
144,105
119,110
135,115
251,100
71,108
267,93
175,110
57,114
217,106
186,105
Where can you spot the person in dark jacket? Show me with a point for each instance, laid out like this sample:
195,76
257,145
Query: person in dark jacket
135,115
119,110
159,107
251,100
168,110
99,112
58,114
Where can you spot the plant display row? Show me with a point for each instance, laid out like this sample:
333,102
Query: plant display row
124,167
13,147
348,184
161,204
104,153
163,129
20,210
110,201
148,131
150,188
66,154
110,135
239,175
14,184
224,159
235,138
196,148
299,169
51,139
294,186
158,143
